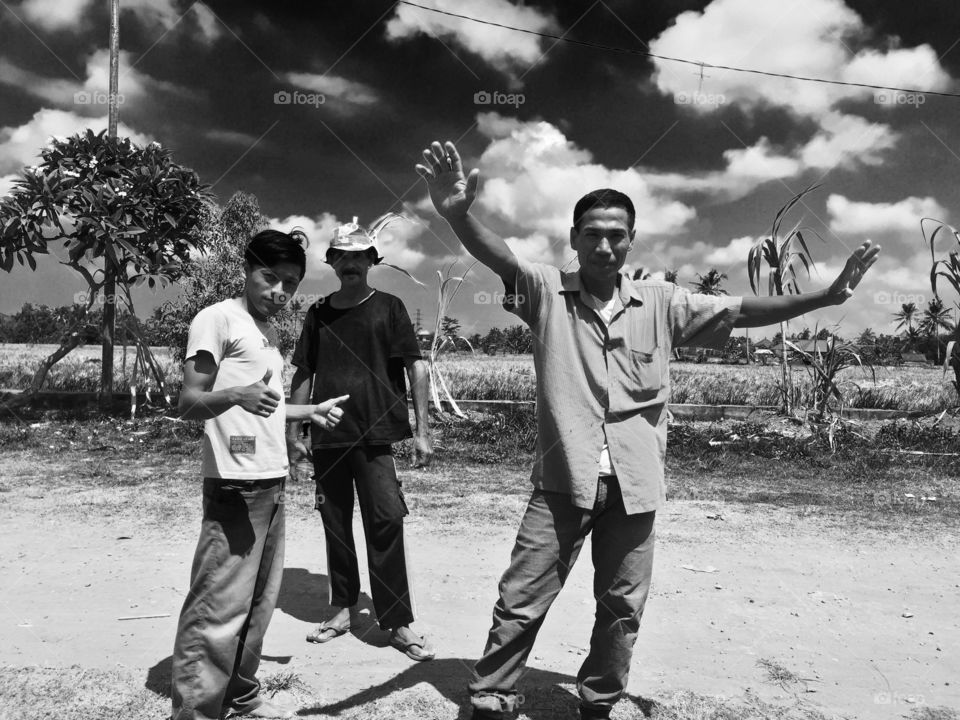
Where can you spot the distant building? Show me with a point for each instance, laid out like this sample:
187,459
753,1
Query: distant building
914,358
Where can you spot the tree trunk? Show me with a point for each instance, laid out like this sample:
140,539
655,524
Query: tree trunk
108,329
73,338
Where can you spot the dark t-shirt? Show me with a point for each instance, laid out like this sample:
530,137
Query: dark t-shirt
360,351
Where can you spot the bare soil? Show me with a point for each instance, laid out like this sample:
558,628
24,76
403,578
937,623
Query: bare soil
795,607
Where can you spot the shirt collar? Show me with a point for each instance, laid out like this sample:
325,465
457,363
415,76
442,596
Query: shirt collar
570,282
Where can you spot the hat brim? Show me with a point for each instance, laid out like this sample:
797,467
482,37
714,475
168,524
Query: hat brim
355,247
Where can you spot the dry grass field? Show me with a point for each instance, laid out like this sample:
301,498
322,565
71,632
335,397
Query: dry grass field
511,377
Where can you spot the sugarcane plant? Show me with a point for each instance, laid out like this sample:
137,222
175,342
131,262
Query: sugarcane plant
784,257
946,268
824,366
448,286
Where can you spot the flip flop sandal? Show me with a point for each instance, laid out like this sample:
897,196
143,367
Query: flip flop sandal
326,633
416,650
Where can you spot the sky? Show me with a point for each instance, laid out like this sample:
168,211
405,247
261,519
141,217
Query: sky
322,112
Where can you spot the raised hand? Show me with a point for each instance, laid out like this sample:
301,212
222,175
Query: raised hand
858,263
452,193
327,415
259,398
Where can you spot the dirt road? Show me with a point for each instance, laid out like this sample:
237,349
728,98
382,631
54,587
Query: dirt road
858,623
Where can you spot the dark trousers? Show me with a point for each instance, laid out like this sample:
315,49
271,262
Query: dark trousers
234,584
549,540
373,471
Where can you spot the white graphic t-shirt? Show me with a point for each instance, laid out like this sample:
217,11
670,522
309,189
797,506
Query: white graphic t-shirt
238,444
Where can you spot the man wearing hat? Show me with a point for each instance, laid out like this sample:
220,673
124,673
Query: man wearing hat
360,340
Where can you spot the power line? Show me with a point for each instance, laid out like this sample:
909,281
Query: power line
697,63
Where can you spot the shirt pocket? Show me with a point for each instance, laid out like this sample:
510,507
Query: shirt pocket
646,374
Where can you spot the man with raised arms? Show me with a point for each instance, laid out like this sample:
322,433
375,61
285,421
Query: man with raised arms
602,346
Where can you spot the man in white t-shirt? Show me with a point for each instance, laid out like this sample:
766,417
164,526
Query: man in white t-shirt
232,379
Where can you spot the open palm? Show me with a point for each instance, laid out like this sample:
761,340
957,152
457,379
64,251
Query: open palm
451,191
857,265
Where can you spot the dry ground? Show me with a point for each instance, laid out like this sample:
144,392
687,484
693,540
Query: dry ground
809,612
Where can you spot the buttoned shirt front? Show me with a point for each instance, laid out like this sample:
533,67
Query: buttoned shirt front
594,377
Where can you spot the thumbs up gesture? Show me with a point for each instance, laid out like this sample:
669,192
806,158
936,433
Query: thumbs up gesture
327,414
259,398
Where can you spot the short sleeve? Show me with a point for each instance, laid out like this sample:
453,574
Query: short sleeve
525,298
303,353
702,320
208,333
403,337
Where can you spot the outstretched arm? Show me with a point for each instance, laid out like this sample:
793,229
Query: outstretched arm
452,194
760,311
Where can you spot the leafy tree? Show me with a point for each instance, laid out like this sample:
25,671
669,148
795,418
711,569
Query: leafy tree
867,337
518,339
804,334
710,283
493,341
218,275
112,212
671,276
824,334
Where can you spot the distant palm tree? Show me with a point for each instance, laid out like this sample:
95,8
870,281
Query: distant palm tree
911,338
671,276
936,317
907,315
709,284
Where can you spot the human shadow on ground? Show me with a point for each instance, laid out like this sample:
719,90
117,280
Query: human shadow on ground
540,698
158,677
304,595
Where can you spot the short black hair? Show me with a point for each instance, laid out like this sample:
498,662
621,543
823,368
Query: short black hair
272,247
603,198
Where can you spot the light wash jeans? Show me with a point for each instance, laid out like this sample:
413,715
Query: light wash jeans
234,584
549,540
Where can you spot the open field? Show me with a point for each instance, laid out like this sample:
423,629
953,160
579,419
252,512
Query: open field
827,583
511,377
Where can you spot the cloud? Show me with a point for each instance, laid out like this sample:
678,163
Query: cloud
231,137
503,49
846,140
900,218
843,141
158,15
813,39
333,86
21,146
55,15
137,91
532,177
734,253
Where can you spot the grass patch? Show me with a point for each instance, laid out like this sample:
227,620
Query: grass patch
74,693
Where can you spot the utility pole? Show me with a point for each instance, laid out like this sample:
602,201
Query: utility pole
108,328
